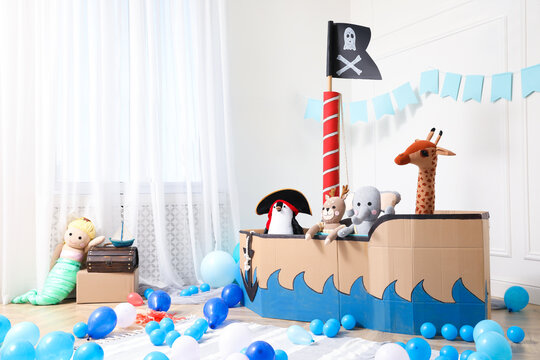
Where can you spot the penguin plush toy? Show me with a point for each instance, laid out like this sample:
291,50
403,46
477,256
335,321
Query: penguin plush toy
282,207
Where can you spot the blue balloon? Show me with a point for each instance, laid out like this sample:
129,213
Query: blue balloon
260,350
281,355
89,351
428,330
18,350
215,310
418,349
465,355
23,331
515,334
56,345
151,326
348,322
171,337
331,328
101,322
159,300
166,324
466,332
232,294
236,253
316,327
449,332
218,268
204,287
201,323
147,292
485,326
195,332
5,325
402,344
185,292
495,345
516,298
298,335
80,329
156,355
157,337
243,351
193,290
450,352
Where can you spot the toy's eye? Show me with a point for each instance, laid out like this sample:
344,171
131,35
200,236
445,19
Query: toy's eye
80,237
424,153
70,234
333,207
369,203
284,206
358,204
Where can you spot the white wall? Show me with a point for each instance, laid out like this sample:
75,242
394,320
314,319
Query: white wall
495,168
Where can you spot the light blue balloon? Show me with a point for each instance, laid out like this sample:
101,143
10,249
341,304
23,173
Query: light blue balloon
466,333
166,324
348,322
516,298
18,350
316,327
89,351
495,345
204,287
23,331
479,356
193,290
465,355
185,292
80,329
171,337
156,355
442,357
281,355
5,325
428,330
201,323
56,345
449,332
331,328
515,334
218,268
418,349
298,335
485,326
151,326
195,332
157,337
450,352
236,253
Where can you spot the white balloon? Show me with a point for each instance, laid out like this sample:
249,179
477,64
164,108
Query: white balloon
234,338
126,314
237,356
185,348
391,352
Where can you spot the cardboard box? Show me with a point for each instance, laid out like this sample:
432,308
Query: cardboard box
105,287
409,270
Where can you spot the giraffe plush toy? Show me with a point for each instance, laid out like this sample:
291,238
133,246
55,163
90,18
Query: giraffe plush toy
424,153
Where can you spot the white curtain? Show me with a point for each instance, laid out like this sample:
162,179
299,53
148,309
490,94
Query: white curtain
109,107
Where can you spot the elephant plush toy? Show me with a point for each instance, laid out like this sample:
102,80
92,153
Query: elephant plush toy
368,203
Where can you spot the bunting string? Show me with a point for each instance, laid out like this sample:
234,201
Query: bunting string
471,86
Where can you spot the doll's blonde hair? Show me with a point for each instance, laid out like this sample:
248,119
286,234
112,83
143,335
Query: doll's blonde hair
85,225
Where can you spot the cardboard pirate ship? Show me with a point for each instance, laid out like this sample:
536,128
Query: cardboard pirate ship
408,270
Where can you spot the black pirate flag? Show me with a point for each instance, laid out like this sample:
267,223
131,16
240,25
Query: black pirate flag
346,55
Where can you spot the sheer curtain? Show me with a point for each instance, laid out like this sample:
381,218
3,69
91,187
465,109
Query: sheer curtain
110,109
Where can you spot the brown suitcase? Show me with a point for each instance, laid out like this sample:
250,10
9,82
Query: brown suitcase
111,259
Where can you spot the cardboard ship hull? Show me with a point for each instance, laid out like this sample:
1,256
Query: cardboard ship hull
410,269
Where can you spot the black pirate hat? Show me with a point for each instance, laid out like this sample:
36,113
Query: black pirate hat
294,197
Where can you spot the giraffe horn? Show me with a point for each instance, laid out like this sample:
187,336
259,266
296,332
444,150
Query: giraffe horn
430,135
438,138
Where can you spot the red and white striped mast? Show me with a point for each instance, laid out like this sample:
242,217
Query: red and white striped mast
331,105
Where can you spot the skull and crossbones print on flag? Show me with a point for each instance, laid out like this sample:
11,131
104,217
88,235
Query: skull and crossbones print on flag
346,55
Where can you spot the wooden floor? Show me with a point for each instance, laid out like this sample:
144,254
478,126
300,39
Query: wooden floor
64,316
